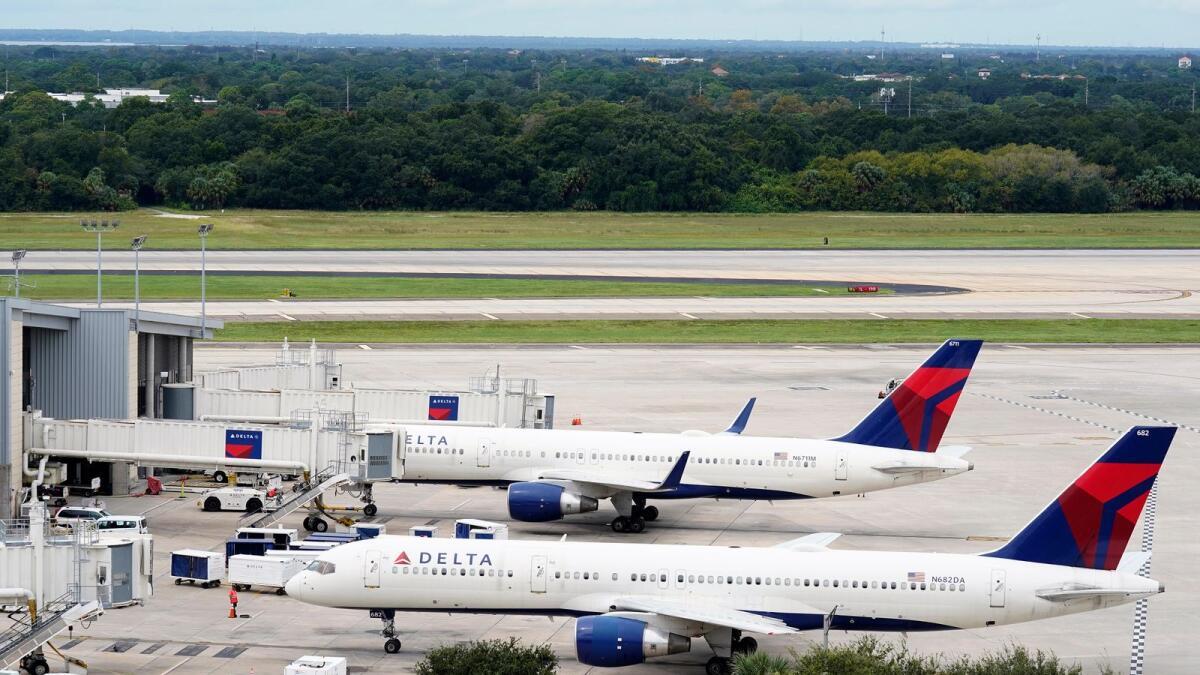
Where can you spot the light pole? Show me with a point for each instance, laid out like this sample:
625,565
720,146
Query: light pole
16,258
205,229
99,227
136,244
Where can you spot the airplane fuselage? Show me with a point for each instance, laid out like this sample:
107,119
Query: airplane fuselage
864,590
739,467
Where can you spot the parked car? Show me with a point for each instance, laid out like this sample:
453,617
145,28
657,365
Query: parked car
67,516
241,499
132,524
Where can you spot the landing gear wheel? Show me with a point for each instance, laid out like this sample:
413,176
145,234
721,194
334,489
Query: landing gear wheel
747,645
620,524
392,646
717,666
212,504
650,513
637,525
370,510
319,525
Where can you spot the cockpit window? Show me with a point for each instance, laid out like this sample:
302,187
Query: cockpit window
321,567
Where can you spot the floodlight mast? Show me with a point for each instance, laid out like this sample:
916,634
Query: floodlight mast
204,230
136,244
17,255
99,227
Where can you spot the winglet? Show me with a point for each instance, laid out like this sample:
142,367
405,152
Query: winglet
739,423
672,480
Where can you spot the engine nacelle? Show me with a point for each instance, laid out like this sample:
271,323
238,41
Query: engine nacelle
611,641
542,502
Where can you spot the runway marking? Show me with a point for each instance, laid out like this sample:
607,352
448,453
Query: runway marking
493,318
808,347
1082,316
875,314
578,347
289,318
460,505
820,290
1016,346
1048,412
1137,648
687,315
274,301
1068,397
364,347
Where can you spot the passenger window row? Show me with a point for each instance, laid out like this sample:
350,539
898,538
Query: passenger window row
451,571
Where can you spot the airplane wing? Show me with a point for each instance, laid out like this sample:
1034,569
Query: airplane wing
818,541
707,614
739,423
620,481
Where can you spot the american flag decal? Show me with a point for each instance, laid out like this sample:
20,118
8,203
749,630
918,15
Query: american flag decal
916,577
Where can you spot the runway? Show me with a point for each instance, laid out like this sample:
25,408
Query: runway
1004,283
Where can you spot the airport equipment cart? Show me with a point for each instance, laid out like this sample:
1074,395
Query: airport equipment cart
257,570
193,566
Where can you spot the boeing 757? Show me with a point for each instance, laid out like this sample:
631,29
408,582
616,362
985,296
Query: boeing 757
551,474
641,601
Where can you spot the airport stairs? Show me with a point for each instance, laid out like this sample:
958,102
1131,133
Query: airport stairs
26,636
317,487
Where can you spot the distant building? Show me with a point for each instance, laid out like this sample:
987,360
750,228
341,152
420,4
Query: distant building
877,77
985,73
1185,62
112,98
1062,77
719,71
871,57
947,55
669,60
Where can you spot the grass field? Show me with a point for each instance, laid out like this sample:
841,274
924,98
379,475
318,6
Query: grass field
230,287
249,229
682,332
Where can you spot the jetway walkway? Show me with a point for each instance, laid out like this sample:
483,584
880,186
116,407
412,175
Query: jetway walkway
318,486
26,636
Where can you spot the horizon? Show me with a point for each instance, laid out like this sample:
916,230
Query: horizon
1101,24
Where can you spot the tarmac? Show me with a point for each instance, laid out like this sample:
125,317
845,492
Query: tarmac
1035,416
1002,283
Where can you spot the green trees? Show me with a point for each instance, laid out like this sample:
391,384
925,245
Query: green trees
496,657
590,130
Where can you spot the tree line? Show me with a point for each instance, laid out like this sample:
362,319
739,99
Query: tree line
492,130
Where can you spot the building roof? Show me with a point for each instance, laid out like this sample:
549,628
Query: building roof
55,316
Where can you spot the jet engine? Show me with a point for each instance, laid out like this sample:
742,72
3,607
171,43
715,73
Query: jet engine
542,502
610,641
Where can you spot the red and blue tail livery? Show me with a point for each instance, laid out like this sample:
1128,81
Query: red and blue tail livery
914,416
1090,523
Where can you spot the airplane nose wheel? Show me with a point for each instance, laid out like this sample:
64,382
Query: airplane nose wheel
392,646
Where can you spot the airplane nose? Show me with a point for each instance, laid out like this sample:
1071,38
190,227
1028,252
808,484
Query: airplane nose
294,587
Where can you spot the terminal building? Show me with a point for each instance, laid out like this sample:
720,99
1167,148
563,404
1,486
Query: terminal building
73,363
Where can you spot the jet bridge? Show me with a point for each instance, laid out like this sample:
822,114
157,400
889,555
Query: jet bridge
22,643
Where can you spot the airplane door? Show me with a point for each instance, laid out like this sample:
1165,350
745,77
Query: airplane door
372,566
999,588
840,470
484,456
664,579
537,574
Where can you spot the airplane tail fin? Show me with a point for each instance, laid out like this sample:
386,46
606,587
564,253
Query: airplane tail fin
914,416
1090,523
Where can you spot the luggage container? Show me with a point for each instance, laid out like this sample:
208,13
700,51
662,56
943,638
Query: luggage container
259,570
369,530
339,537
428,531
317,665
247,547
306,556
467,528
192,566
283,537
319,546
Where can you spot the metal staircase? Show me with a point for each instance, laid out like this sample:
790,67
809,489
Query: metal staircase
26,635
316,487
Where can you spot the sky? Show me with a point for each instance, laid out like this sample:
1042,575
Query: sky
1118,23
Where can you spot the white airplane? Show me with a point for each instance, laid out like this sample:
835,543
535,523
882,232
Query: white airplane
551,474
640,601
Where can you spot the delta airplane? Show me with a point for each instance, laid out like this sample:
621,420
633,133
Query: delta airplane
552,474
640,601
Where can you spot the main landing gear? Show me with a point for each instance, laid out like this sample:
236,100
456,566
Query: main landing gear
392,644
720,665
636,521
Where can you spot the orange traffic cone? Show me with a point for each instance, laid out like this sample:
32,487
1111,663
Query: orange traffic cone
576,421
232,612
